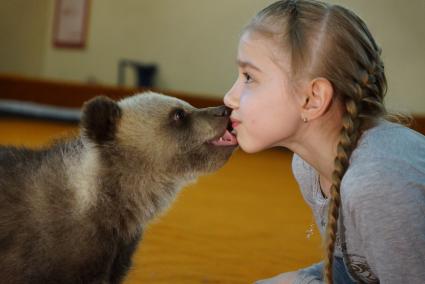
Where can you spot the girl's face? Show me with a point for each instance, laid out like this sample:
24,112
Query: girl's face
265,111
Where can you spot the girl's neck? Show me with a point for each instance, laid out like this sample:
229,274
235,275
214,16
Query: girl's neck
317,144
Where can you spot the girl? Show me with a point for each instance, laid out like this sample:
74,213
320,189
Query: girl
311,79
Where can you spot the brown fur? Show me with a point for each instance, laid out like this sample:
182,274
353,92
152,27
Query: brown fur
75,211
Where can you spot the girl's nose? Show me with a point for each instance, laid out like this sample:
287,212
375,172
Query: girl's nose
231,99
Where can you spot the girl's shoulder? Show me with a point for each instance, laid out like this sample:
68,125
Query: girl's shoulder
389,160
389,143
390,138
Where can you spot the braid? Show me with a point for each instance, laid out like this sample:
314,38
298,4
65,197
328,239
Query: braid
363,101
348,140
356,99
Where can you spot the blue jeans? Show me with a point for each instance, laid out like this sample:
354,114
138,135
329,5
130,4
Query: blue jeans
314,273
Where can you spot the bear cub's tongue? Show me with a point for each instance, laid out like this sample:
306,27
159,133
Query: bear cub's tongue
228,139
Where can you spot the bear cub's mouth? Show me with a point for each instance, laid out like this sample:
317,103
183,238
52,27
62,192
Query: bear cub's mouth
227,138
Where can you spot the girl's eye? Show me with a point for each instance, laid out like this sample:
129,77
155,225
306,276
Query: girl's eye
179,115
248,78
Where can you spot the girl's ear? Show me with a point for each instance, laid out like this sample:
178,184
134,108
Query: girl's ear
318,99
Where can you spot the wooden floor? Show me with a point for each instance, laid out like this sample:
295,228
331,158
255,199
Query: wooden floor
246,222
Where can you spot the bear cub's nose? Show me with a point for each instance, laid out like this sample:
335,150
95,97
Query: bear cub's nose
223,111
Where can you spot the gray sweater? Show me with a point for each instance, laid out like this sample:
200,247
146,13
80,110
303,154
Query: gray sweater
382,219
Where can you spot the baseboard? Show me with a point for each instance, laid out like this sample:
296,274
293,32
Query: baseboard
71,94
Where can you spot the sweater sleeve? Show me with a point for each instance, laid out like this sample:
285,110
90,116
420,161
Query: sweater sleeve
388,210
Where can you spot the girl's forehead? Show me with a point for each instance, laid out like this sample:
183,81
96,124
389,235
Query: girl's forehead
263,51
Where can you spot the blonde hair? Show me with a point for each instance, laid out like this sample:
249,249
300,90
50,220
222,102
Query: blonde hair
332,42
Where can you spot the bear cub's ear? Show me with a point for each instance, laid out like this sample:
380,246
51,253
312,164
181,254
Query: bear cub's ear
99,120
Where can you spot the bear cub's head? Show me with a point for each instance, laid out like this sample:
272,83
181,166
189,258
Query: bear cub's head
168,134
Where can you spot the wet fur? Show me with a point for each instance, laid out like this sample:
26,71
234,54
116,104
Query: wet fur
75,211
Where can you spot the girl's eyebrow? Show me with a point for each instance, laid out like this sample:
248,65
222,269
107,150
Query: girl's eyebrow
245,64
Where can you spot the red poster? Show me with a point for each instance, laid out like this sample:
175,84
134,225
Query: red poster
70,23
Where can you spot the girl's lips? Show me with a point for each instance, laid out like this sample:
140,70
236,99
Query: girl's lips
235,123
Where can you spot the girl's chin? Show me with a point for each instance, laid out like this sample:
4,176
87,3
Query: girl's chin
248,147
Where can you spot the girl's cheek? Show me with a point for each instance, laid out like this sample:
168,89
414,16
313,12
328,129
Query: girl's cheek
242,102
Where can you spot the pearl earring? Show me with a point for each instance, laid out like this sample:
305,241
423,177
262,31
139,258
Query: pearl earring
305,119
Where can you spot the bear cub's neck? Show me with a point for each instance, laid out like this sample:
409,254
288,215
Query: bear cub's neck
120,189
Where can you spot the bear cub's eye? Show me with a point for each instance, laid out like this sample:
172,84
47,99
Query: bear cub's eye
179,115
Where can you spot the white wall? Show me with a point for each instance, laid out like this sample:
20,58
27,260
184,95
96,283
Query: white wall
399,28
194,42
23,32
